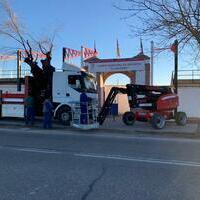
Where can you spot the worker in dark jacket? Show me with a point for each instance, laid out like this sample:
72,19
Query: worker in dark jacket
47,112
84,108
29,110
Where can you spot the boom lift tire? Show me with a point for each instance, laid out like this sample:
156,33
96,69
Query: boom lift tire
128,118
64,115
158,121
181,118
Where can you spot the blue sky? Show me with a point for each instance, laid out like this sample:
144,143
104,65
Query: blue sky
80,22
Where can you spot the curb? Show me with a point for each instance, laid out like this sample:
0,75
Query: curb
154,133
113,131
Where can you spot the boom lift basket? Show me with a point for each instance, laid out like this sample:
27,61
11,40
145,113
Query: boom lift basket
90,116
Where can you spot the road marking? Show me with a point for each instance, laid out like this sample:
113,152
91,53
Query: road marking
140,159
32,150
110,157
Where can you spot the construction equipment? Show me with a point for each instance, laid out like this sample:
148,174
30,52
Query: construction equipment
65,86
155,104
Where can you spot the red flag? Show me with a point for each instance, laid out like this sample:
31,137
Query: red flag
173,47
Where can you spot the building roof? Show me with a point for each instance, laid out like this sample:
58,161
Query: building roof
138,57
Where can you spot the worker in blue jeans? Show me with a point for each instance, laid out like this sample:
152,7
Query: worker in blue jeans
84,108
29,110
47,112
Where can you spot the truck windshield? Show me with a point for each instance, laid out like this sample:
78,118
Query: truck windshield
75,82
90,84
82,83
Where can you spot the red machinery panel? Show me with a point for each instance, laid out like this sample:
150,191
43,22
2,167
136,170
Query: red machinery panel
167,102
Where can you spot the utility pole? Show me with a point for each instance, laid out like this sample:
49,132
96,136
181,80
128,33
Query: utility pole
152,60
175,50
82,56
63,55
19,69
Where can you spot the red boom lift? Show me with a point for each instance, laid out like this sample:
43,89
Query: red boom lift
155,104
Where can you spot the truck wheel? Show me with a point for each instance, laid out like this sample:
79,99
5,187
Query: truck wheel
128,118
64,115
158,121
181,118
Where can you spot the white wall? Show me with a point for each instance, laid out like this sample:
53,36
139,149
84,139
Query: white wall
121,99
140,77
11,88
189,100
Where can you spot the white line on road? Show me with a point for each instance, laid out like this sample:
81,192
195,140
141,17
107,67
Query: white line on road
32,150
144,160
104,156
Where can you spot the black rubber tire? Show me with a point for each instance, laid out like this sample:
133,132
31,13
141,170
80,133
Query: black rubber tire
65,116
128,118
181,118
158,121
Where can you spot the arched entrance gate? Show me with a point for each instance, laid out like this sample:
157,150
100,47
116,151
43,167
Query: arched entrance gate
136,68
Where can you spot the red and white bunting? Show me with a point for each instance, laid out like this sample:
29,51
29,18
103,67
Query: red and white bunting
71,53
34,54
88,53
7,57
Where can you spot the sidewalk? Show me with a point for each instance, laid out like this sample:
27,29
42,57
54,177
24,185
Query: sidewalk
117,126
171,127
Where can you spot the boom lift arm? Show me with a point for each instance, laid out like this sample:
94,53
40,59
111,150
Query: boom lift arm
109,100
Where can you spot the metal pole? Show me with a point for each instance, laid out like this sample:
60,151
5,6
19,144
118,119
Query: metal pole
19,70
176,67
152,57
63,55
82,56
1,103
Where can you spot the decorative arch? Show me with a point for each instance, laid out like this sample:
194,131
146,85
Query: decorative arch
130,75
137,68
102,76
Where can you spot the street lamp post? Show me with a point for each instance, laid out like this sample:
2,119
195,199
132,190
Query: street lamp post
19,58
175,50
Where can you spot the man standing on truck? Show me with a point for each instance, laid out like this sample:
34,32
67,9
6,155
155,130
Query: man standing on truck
29,110
48,70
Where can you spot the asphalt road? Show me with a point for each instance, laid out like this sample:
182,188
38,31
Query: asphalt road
58,165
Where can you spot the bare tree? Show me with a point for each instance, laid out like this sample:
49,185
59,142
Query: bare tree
13,29
171,19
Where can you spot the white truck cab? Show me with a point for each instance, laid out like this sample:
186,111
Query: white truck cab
68,85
